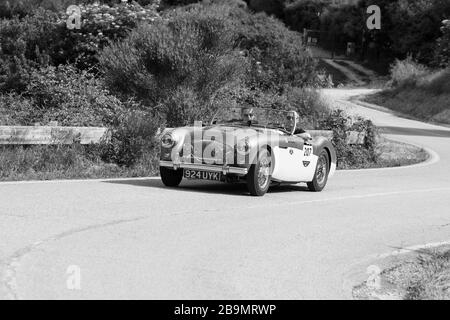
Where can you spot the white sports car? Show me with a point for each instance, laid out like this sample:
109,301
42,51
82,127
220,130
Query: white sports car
258,146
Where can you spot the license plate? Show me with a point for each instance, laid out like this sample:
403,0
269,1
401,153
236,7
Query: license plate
202,175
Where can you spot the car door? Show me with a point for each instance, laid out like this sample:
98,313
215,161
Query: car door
288,156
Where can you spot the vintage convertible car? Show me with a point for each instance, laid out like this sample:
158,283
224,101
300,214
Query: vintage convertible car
258,146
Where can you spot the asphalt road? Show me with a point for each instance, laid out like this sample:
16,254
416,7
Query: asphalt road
136,239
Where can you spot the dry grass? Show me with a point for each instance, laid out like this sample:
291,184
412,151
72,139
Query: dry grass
420,94
415,103
66,162
84,162
394,154
422,275
407,70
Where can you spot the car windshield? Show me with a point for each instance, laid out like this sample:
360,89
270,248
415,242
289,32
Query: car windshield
258,117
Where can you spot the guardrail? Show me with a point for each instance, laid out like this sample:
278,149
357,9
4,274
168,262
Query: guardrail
53,134
42,135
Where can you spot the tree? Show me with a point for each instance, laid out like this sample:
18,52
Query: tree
271,7
442,57
303,14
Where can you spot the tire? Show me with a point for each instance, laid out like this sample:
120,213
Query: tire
170,177
321,175
258,177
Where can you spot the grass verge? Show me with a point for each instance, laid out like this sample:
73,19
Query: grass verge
83,162
414,103
391,153
416,92
66,162
420,275
396,154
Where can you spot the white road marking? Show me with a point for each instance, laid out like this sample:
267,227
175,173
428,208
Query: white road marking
413,248
370,195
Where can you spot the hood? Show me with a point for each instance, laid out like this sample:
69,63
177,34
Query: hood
217,141
220,133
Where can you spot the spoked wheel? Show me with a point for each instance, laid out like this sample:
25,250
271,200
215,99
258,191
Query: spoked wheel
321,175
258,177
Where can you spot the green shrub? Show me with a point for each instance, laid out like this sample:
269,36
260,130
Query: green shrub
16,110
183,106
133,137
22,8
11,8
15,73
26,44
202,50
42,37
100,25
63,94
407,71
309,104
71,97
278,55
186,51
351,156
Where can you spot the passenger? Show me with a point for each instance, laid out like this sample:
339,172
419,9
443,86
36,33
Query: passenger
292,120
248,117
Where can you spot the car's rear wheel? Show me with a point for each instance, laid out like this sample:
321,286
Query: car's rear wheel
321,175
258,177
170,177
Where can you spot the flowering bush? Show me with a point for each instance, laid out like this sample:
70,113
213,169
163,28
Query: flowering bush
100,24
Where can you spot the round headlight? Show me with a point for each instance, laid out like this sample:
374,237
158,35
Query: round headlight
167,141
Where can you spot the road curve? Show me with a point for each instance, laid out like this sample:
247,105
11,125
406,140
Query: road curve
136,239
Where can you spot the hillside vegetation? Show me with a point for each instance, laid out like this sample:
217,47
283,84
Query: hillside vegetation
417,92
139,66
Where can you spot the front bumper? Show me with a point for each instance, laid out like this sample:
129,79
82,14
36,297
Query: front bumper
225,169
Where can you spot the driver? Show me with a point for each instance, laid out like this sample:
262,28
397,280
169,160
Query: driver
248,116
292,119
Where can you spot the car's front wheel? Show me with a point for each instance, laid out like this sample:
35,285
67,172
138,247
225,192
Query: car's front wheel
258,177
170,177
321,175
